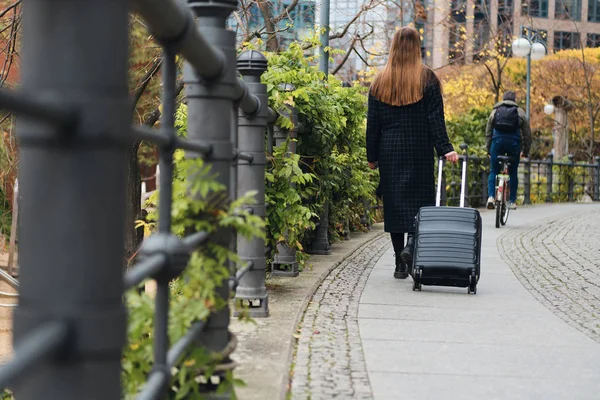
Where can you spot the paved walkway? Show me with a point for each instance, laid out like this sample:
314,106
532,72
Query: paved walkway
531,332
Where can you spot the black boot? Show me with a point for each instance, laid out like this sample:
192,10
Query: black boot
407,253
401,272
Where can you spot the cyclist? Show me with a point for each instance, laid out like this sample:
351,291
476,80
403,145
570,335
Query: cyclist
507,133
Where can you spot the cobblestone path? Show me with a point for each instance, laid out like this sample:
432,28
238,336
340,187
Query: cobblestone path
329,361
558,261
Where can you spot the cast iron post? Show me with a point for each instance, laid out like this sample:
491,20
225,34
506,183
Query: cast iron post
484,179
549,176
320,243
251,177
72,186
210,106
527,182
571,178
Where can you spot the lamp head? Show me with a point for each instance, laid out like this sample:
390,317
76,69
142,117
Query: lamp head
521,47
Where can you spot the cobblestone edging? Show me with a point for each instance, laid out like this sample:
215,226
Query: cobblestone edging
558,261
328,361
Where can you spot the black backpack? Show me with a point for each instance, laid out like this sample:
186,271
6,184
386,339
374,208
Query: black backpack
506,119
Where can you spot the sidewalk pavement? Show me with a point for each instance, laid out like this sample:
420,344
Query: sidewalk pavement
502,343
265,348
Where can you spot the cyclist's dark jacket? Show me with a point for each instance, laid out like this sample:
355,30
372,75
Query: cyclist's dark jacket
523,133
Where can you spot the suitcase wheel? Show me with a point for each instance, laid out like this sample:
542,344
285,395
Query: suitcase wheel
416,277
472,288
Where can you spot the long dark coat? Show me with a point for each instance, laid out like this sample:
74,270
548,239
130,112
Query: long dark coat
401,140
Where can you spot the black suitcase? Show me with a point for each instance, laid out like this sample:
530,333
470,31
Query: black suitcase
447,242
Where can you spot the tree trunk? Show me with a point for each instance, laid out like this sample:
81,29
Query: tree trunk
272,40
561,132
133,211
133,208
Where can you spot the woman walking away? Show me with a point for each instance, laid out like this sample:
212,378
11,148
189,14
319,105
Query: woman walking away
405,122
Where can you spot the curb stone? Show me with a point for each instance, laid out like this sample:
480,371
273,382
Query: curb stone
266,346
338,365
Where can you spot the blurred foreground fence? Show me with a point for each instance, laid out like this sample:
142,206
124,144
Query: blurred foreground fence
74,134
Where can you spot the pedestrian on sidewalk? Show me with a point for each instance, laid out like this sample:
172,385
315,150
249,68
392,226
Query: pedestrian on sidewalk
405,122
507,134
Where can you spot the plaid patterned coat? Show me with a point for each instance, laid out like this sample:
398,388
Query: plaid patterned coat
401,140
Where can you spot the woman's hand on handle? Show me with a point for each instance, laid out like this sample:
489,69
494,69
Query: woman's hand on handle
452,156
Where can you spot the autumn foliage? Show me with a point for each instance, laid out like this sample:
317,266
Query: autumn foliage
573,74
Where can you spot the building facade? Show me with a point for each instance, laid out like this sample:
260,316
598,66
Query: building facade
461,31
462,28
376,23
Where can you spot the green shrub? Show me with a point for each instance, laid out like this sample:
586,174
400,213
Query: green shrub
331,146
193,295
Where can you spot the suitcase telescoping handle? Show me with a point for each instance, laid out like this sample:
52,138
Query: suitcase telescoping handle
463,183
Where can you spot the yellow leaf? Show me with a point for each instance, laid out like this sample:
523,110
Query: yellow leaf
189,363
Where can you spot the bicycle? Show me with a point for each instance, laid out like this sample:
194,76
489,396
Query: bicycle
502,191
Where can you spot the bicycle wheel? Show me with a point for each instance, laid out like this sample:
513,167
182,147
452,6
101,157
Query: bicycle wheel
505,209
499,206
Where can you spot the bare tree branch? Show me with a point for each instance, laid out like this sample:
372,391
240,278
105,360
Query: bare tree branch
151,73
11,45
285,13
352,49
492,76
366,7
10,7
346,56
153,118
362,58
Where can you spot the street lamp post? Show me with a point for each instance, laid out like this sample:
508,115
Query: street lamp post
532,47
324,26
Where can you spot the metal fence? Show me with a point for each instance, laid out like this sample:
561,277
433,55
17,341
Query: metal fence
539,181
74,131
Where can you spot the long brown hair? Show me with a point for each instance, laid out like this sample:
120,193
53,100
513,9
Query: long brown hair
402,80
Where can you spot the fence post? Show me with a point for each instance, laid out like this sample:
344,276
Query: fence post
597,179
320,243
484,180
549,176
251,176
527,182
285,262
571,177
210,106
365,219
71,259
